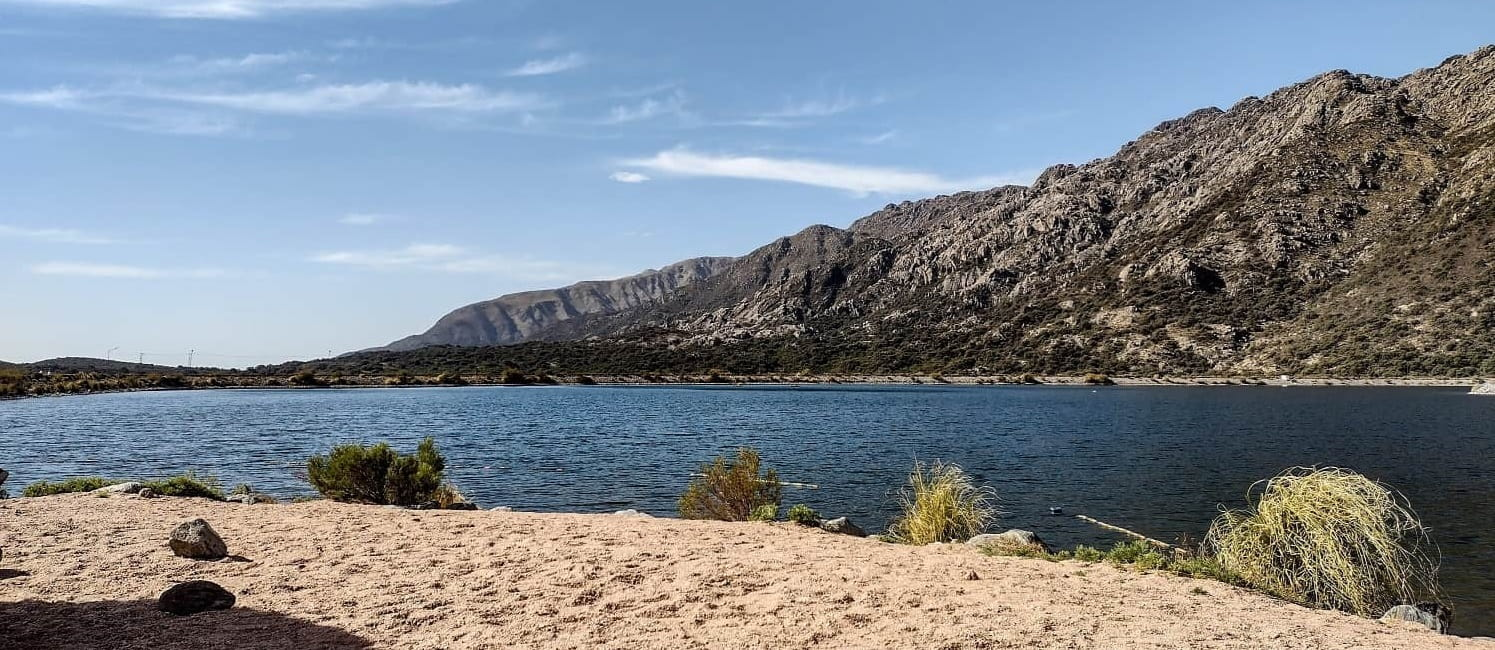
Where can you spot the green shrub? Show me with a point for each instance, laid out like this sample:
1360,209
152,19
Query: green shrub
804,515
586,380
65,486
765,512
730,490
187,485
378,474
1328,538
942,504
515,377
305,378
1098,379
451,379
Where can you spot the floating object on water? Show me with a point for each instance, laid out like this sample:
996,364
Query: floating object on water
1158,543
1056,510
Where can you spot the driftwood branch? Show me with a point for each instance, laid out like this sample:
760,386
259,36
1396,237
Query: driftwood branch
1133,533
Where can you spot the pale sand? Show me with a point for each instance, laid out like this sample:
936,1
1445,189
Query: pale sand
83,572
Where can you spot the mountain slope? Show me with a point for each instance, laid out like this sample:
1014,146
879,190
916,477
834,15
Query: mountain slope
538,315
1342,225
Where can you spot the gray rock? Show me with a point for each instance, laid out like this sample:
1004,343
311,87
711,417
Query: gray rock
194,597
146,493
1012,539
197,540
1416,614
1487,388
463,505
632,513
250,499
843,526
3,476
131,487
502,509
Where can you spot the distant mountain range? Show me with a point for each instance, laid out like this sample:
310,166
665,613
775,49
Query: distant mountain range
1342,225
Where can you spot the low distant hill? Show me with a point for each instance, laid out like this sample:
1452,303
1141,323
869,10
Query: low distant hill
105,366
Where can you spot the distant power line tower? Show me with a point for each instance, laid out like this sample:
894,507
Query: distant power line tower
190,354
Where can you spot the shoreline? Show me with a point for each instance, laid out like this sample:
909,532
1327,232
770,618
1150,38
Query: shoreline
795,380
83,572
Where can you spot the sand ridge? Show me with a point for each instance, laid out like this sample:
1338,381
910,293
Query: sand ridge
83,572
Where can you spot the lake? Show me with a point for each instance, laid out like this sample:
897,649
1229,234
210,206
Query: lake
1160,460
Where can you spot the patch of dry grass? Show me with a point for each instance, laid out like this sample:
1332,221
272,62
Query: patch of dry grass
941,503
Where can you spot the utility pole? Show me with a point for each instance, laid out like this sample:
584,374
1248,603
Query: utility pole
109,356
142,358
190,354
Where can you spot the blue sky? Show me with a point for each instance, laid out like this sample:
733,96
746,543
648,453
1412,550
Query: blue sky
261,180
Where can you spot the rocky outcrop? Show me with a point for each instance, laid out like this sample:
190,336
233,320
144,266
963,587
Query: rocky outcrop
198,541
194,597
842,526
551,313
130,487
1428,616
1487,388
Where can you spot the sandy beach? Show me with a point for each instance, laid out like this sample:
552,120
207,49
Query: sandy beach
83,572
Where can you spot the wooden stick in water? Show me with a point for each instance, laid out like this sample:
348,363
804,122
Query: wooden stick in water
1119,529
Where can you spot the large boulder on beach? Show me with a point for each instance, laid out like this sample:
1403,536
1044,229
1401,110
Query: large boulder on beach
194,597
1425,615
198,541
1012,540
842,526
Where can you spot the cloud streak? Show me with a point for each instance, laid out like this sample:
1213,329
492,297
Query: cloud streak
628,177
540,67
54,235
446,258
857,179
221,9
122,272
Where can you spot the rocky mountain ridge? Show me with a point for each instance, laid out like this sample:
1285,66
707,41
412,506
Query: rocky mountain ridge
1341,225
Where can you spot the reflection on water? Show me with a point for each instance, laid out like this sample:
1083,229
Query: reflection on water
1154,459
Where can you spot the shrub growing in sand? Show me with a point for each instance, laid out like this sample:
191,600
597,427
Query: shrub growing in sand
65,486
1328,538
941,503
765,512
804,515
378,474
730,490
187,485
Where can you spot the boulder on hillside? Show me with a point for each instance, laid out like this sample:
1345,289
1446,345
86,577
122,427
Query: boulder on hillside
198,541
842,526
1012,540
194,597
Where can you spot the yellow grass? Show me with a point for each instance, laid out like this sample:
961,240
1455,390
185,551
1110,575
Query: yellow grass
941,503
1328,538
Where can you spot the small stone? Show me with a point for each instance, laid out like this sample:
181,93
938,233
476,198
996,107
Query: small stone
502,509
842,526
146,493
632,513
462,505
194,597
130,487
1418,614
198,541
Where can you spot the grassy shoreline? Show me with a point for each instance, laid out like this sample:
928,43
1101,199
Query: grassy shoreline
77,385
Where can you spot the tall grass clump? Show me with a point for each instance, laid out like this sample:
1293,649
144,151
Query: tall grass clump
1328,538
190,484
378,474
941,503
730,490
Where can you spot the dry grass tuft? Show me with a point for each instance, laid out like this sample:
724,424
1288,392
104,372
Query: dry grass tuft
941,503
1328,538
731,490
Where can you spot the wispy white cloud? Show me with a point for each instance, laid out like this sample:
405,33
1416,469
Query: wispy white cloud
55,235
824,107
539,67
447,258
628,177
372,96
649,108
364,219
125,272
222,9
858,179
880,138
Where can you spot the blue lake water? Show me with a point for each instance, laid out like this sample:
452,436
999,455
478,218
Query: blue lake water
1160,460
